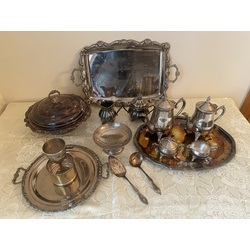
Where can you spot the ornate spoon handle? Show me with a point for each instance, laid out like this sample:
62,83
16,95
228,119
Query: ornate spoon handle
141,196
156,188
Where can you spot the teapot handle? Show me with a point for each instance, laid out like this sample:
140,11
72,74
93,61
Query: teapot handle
182,107
222,112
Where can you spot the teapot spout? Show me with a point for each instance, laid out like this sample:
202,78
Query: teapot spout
186,116
150,124
189,124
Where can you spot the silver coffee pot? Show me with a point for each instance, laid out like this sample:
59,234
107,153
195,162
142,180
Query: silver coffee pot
204,117
163,116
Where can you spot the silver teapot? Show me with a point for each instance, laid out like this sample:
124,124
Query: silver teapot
204,117
162,118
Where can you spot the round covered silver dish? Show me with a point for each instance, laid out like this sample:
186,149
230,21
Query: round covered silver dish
57,114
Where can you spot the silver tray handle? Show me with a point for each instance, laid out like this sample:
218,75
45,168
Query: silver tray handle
72,77
86,88
177,72
16,175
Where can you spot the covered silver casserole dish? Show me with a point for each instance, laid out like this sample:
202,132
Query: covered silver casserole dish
57,114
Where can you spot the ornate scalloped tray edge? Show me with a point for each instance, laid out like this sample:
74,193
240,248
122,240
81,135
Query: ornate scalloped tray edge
38,189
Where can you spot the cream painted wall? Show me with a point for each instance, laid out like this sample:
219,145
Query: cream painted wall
211,63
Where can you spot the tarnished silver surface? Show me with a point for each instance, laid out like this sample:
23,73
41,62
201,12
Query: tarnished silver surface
112,137
123,69
57,114
222,155
38,188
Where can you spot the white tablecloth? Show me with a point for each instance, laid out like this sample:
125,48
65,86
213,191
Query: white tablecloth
2,103
222,192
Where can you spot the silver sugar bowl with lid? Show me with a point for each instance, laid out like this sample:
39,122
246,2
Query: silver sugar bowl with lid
139,108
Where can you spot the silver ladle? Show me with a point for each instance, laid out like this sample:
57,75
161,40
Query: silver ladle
120,171
135,160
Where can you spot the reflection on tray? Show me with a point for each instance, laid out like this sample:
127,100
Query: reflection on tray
125,73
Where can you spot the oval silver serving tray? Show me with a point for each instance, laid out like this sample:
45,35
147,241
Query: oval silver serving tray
220,157
39,191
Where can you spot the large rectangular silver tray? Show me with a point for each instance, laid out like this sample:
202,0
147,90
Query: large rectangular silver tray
124,69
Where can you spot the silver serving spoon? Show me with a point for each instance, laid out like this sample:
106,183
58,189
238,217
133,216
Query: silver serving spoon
120,171
135,160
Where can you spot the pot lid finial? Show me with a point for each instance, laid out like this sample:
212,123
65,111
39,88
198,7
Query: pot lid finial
165,104
207,106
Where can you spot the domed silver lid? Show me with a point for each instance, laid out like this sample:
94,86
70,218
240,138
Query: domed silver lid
57,112
206,106
165,105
